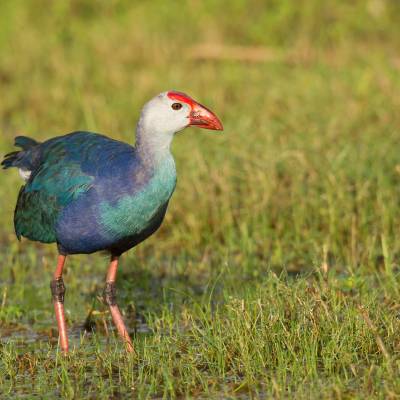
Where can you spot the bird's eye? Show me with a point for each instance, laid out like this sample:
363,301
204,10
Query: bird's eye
176,106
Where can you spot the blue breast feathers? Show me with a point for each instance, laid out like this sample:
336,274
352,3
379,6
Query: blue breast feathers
124,205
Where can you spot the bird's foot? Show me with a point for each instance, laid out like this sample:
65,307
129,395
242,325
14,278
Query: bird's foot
110,298
58,291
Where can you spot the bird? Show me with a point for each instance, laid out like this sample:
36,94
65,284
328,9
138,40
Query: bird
87,192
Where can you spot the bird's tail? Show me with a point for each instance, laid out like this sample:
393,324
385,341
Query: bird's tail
25,142
11,159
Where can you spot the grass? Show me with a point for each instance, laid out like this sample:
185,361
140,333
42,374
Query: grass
275,274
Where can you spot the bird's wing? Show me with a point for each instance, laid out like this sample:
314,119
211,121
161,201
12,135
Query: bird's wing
39,201
63,169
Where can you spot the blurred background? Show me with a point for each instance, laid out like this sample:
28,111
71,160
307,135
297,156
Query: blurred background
306,173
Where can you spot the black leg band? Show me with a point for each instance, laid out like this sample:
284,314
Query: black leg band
110,294
57,289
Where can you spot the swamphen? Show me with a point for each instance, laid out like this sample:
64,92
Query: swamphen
87,192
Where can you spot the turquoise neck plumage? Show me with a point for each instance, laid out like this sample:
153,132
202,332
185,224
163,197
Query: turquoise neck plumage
134,214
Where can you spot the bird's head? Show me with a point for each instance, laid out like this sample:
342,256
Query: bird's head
172,111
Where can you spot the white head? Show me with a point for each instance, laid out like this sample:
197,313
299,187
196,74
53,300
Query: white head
168,113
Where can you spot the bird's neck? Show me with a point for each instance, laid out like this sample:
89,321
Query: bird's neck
151,146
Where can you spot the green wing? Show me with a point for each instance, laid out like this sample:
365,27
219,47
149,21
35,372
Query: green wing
58,179
40,201
35,215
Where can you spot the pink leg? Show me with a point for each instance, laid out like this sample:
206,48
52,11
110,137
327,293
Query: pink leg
109,296
58,291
